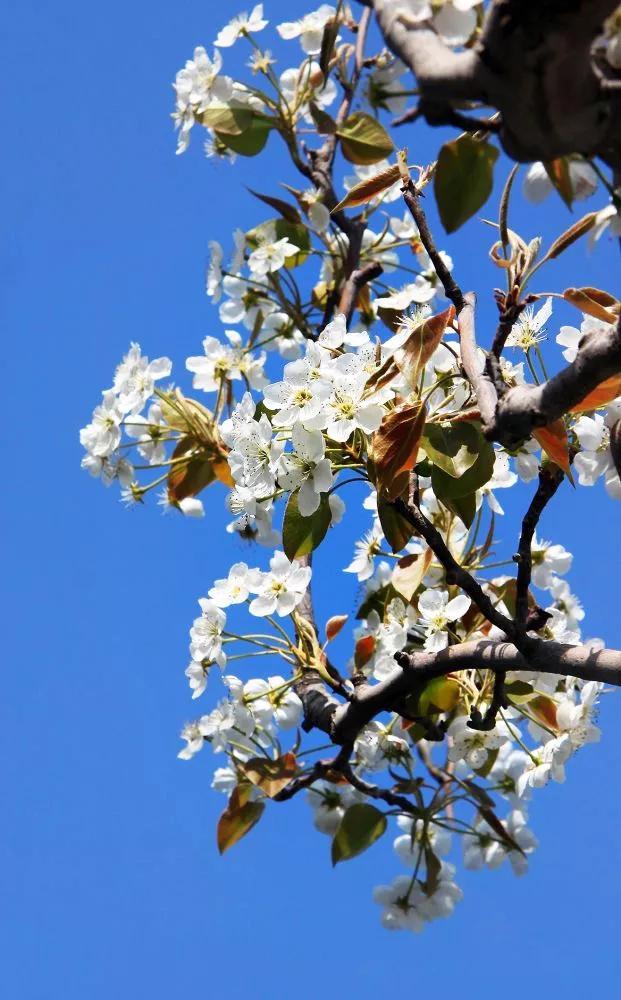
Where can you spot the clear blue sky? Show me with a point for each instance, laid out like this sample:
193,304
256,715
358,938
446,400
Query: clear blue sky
111,883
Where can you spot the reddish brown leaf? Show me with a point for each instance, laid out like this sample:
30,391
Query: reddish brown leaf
558,172
395,445
553,440
544,709
271,776
414,354
363,192
604,393
365,648
594,302
237,820
334,626
408,574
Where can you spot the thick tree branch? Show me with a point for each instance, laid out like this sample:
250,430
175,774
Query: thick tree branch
526,407
547,657
532,62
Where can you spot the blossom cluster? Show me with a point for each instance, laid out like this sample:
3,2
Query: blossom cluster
297,400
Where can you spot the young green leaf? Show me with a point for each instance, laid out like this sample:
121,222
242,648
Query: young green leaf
364,140
360,827
454,448
300,535
463,180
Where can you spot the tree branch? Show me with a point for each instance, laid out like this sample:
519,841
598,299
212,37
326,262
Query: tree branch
550,478
532,62
526,407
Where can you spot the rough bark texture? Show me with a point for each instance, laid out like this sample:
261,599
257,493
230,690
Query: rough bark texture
533,62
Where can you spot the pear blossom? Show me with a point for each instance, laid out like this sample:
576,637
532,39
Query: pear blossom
135,378
546,763
191,507
213,283
365,551
282,588
306,468
528,330
244,301
484,848
194,740
408,907
350,407
102,435
206,634
329,802
300,85
309,28
228,720
197,674
242,24
302,395
474,745
150,432
271,256
537,184
409,846
224,779
255,458
570,338
220,362
437,612
576,719
198,85
548,561
608,218
235,588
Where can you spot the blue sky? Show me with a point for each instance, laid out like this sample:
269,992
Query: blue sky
111,881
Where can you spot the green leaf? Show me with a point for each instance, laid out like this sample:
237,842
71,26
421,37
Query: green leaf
434,867
463,179
441,694
360,827
464,507
300,535
324,123
450,488
228,120
454,448
250,141
397,530
288,212
364,140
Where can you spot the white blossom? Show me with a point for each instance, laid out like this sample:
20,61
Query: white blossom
240,25
281,590
309,28
437,612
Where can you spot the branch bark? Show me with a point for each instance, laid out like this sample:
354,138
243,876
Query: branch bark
547,657
524,408
532,62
